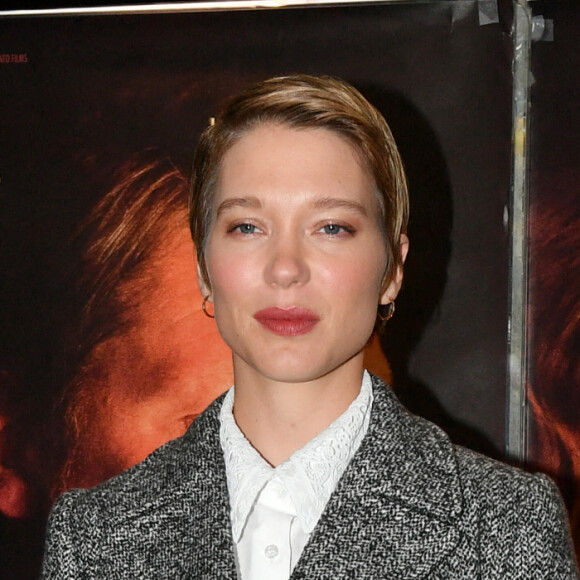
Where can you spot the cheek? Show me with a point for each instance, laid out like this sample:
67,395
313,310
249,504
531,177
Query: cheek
356,278
232,276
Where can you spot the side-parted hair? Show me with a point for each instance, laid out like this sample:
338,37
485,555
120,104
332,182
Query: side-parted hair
304,102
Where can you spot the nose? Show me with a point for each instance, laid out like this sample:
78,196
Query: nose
286,265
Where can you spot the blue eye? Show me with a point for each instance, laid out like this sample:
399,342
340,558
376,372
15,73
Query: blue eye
336,229
245,228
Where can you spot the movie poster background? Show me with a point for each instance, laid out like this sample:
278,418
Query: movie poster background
554,258
103,88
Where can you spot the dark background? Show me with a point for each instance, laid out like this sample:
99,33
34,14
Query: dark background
554,260
130,82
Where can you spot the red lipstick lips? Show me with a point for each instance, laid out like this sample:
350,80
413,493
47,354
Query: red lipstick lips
287,321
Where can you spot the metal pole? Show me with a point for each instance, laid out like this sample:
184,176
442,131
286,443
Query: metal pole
517,411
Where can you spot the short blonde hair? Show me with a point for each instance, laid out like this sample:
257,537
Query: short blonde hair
304,102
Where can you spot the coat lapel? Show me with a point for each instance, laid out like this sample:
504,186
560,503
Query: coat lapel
212,547
394,513
185,525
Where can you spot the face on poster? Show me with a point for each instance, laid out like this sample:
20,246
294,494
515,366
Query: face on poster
105,350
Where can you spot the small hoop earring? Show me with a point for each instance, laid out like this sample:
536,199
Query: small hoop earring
204,307
386,311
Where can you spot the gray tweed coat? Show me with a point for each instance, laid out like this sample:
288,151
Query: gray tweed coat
410,505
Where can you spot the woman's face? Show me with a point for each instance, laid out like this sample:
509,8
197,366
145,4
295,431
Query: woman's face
295,255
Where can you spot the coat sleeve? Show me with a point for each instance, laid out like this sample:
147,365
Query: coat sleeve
531,537
62,542
549,531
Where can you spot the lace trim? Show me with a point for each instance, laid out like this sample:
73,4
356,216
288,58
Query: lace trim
310,475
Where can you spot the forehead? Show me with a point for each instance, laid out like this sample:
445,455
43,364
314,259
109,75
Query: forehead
279,135
285,158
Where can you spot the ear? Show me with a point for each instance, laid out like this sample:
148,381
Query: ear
390,293
15,495
203,286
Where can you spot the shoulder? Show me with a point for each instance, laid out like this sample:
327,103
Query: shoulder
429,444
427,447
506,495
505,513
142,517
184,461
497,482
153,477
519,517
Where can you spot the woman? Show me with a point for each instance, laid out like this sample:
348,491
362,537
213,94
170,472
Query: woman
308,467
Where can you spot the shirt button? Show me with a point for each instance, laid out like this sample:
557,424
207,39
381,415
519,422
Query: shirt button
271,551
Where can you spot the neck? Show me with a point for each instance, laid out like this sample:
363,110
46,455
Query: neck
279,418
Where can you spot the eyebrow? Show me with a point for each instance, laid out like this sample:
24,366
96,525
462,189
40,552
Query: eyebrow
324,203
251,202
336,202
